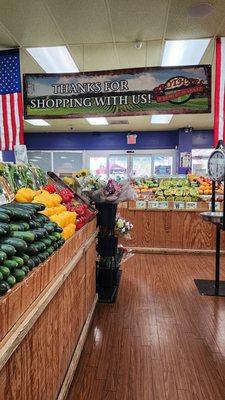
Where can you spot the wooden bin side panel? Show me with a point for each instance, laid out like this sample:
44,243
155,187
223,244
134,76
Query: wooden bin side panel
19,299
37,368
170,229
90,276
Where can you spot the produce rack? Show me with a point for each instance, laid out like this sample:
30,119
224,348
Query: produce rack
214,287
108,264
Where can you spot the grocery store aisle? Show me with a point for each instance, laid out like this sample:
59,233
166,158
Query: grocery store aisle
161,340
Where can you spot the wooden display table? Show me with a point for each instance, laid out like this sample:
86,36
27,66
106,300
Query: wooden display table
170,231
44,321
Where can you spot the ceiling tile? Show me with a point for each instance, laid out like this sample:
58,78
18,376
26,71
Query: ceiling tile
29,23
143,19
82,21
5,40
181,26
154,53
130,57
94,57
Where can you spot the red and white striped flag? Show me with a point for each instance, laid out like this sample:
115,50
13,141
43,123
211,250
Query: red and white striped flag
11,108
219,102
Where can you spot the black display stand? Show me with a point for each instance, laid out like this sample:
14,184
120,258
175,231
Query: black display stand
108,271
214,287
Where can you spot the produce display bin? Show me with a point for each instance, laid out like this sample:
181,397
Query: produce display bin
45,320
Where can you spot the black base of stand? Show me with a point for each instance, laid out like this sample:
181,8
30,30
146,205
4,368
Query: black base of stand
109,294
208,288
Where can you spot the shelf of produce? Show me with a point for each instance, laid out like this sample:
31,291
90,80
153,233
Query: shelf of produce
170,231
45,319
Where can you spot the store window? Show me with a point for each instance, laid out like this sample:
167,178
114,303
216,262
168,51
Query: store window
141,166
98,166
200,161
41,159
163,165
118,167
67,162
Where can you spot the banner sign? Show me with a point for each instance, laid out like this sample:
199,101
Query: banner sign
157,90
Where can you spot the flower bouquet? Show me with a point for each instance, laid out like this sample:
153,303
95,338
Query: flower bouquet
123,227
114,192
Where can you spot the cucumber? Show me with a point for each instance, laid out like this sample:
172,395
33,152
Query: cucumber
39,233
11,264
55,245
3,256
27,236
50,250
8,249
1,276
11,280
32,249
42,256
34,224
25,269
5,227
34,206
61,242
49,228
19,244
17,213
3,232
19,274
4,217
57,235
30,264
36,260
19,226
25,257
52,238
5,272
58,229
4,287
46,241
42,219
19,260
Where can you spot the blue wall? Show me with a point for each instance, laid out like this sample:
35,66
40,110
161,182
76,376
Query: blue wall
113,140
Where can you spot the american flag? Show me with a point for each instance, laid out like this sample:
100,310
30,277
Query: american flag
219,102
11,108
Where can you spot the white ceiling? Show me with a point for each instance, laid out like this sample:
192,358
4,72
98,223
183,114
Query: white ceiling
100,35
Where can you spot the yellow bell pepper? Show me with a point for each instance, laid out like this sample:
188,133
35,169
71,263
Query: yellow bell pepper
25,193
68,231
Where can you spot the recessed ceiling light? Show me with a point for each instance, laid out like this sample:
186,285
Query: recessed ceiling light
200,10
37,122
53,59
184,52
161,119
97,121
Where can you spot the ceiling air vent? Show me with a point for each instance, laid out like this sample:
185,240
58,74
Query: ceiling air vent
118,122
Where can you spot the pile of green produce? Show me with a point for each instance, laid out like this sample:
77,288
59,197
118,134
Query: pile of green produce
176,190
27,238
19,176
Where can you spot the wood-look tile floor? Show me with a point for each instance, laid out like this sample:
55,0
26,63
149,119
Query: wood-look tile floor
161,340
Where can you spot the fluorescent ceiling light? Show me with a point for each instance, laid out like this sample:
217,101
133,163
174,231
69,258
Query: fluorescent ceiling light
97,121
37,122
161,119
184,52
53,59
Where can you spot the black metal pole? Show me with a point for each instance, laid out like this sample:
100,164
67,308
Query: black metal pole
213,207
217,271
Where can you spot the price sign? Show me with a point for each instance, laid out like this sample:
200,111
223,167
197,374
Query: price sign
141,205
163,204
152,204
178,205
191,205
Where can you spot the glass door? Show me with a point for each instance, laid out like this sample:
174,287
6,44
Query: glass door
141,166
118,166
